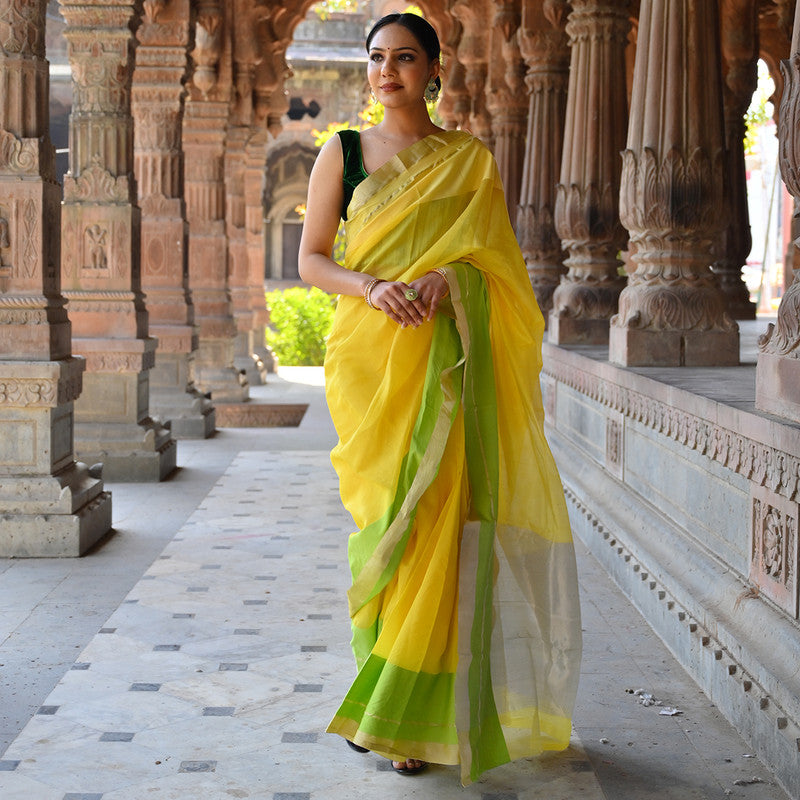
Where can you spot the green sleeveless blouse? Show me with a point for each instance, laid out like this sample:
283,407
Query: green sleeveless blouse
354,171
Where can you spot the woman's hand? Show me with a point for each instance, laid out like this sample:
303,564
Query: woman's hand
391,298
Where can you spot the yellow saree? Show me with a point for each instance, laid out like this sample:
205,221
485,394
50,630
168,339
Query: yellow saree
464,601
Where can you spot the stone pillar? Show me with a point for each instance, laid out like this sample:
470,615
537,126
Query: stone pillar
238,270
454,105
587,203
672,200
204,127
507,102
157,105
100,250
545,48
49,504
740,55
254,186
473,53
778,370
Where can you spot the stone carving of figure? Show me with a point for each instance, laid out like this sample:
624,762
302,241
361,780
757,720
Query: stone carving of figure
5,239
96,246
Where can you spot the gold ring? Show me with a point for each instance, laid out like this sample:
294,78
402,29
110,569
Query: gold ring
412,294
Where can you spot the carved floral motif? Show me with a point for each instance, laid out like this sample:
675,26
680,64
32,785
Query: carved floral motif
22,27
774,548
19,156
26,393
98,185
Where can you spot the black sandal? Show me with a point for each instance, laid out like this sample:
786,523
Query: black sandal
406,770
357,747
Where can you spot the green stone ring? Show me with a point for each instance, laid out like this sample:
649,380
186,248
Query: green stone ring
411,294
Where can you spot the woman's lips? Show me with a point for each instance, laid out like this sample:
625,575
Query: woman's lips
390,87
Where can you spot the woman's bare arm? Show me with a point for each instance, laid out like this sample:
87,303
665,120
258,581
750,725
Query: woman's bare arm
323,211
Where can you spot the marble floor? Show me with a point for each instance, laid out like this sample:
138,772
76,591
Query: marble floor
200,650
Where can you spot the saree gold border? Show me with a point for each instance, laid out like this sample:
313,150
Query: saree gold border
371,572
392,178
427,751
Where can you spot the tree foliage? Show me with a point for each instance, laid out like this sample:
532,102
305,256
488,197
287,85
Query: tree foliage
300,321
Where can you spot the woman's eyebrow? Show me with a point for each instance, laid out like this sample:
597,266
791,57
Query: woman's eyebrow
382,49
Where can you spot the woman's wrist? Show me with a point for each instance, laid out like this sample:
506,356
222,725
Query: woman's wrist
367,288
441,271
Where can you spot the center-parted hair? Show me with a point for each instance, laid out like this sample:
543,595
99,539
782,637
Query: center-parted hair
421,29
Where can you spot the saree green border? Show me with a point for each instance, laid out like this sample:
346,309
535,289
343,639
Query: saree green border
470,300
376,550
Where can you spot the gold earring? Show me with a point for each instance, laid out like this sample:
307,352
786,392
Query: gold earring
431,93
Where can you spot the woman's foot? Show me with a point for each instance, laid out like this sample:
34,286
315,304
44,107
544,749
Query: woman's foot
357,747
411,766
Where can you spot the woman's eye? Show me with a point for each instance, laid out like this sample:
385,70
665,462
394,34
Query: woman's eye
375,57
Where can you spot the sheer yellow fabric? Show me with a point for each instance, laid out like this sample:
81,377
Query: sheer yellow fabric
466,654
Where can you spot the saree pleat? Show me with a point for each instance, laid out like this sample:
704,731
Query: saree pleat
464,603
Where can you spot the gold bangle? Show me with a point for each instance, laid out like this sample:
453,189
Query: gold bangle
442,272
368,291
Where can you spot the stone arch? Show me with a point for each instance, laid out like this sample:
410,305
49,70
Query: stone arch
288,169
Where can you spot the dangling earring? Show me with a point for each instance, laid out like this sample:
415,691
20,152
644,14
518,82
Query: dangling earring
372,97
431,93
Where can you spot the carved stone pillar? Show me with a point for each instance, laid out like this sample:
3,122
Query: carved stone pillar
246,58
204,125
672,201
544,45
100,250
254,185
454,104
157,105
473,53
778,370
238,269
587,203
507,102
740,54
49,504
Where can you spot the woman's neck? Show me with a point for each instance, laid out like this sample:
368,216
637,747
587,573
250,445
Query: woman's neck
406,123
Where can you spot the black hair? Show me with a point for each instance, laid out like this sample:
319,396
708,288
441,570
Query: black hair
423,32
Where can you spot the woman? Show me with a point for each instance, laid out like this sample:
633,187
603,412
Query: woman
464,602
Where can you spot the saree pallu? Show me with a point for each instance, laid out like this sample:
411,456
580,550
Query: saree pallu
464,598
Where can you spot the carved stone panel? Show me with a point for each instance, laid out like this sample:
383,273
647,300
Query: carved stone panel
773,548
615,431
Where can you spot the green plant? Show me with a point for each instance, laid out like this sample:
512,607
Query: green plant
300,321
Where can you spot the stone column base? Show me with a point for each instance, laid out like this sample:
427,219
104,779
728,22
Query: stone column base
247,360
574,330
268,358
129,452
226,384
61,515
633,347
778,385
253,367
173,397
191,414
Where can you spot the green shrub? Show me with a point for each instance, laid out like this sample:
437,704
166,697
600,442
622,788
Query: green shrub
300,321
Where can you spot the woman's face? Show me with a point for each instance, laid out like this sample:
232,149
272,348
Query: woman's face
399,69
